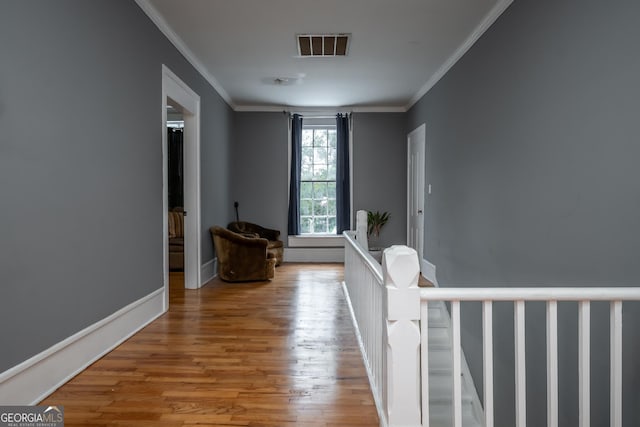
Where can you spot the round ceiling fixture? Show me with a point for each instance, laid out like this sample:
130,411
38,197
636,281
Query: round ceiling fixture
284,81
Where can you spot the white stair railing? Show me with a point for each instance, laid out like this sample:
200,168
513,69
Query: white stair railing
551,296
365,294
391,315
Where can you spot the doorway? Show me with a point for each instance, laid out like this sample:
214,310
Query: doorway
181,98
416,141
175,144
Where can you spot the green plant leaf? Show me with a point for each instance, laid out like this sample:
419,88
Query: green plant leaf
375,221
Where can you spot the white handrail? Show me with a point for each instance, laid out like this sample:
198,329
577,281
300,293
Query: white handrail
367,259
530,294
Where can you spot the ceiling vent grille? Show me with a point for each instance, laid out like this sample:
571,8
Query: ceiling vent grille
314,45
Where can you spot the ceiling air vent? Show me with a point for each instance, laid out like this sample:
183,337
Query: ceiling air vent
323,44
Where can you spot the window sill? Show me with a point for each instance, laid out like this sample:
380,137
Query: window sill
316,241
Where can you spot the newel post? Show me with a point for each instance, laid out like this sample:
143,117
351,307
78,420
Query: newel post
400,270
361,229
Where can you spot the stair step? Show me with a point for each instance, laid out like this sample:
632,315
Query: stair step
441,373
440,360
441,390
439,337
441,416
437,315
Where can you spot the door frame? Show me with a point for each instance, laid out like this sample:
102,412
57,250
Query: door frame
418,136
181,94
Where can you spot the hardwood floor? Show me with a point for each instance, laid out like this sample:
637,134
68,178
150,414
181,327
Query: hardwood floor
279,353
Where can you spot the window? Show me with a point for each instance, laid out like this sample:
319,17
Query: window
319,184
318,180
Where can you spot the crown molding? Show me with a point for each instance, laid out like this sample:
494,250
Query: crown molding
488,20
164,27
320,110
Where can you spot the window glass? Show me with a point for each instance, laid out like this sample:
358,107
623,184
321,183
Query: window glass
318,181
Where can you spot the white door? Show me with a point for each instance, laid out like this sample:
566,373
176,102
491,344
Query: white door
415,190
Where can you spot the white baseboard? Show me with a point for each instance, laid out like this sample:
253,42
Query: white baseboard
429,271
313,254
208,271
34,379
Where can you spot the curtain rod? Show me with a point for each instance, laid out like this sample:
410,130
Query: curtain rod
317,115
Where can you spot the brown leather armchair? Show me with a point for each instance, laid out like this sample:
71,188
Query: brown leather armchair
275,246
242,258
176,239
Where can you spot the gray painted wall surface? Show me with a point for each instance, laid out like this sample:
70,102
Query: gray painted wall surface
259,177
260,169
380,170
81,165
532,150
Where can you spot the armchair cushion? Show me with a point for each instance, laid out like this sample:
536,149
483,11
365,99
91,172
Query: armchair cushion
242,258
275,246
176,239
176,224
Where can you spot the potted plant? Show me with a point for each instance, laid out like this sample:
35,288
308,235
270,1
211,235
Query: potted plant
375,221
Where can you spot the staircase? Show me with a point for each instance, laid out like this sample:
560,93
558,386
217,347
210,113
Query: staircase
440,375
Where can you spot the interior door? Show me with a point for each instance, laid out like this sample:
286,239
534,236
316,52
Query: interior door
415,189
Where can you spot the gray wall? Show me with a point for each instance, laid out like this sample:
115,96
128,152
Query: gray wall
260,169
259,178
81,165
532,148
380,170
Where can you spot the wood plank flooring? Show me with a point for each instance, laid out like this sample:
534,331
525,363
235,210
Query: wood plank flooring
280,353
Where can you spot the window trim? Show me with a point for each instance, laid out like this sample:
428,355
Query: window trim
316,241
320,120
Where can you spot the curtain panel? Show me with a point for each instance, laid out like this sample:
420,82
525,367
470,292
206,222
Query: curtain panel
294,181
343,188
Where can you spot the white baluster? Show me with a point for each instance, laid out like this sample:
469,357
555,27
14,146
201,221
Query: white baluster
424,360
616,364
584,364
457,368
521,375
552,364
361,229
487,357
400,272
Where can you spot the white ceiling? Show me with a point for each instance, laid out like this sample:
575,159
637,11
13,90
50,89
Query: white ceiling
398,50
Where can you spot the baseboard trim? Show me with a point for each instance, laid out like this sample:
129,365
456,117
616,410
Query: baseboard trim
208,271
314,255
34,379
429,271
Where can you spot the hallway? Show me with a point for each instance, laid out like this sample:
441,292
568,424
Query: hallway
279,353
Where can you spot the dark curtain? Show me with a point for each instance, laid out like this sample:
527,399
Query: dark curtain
343,196
176,195
294,182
